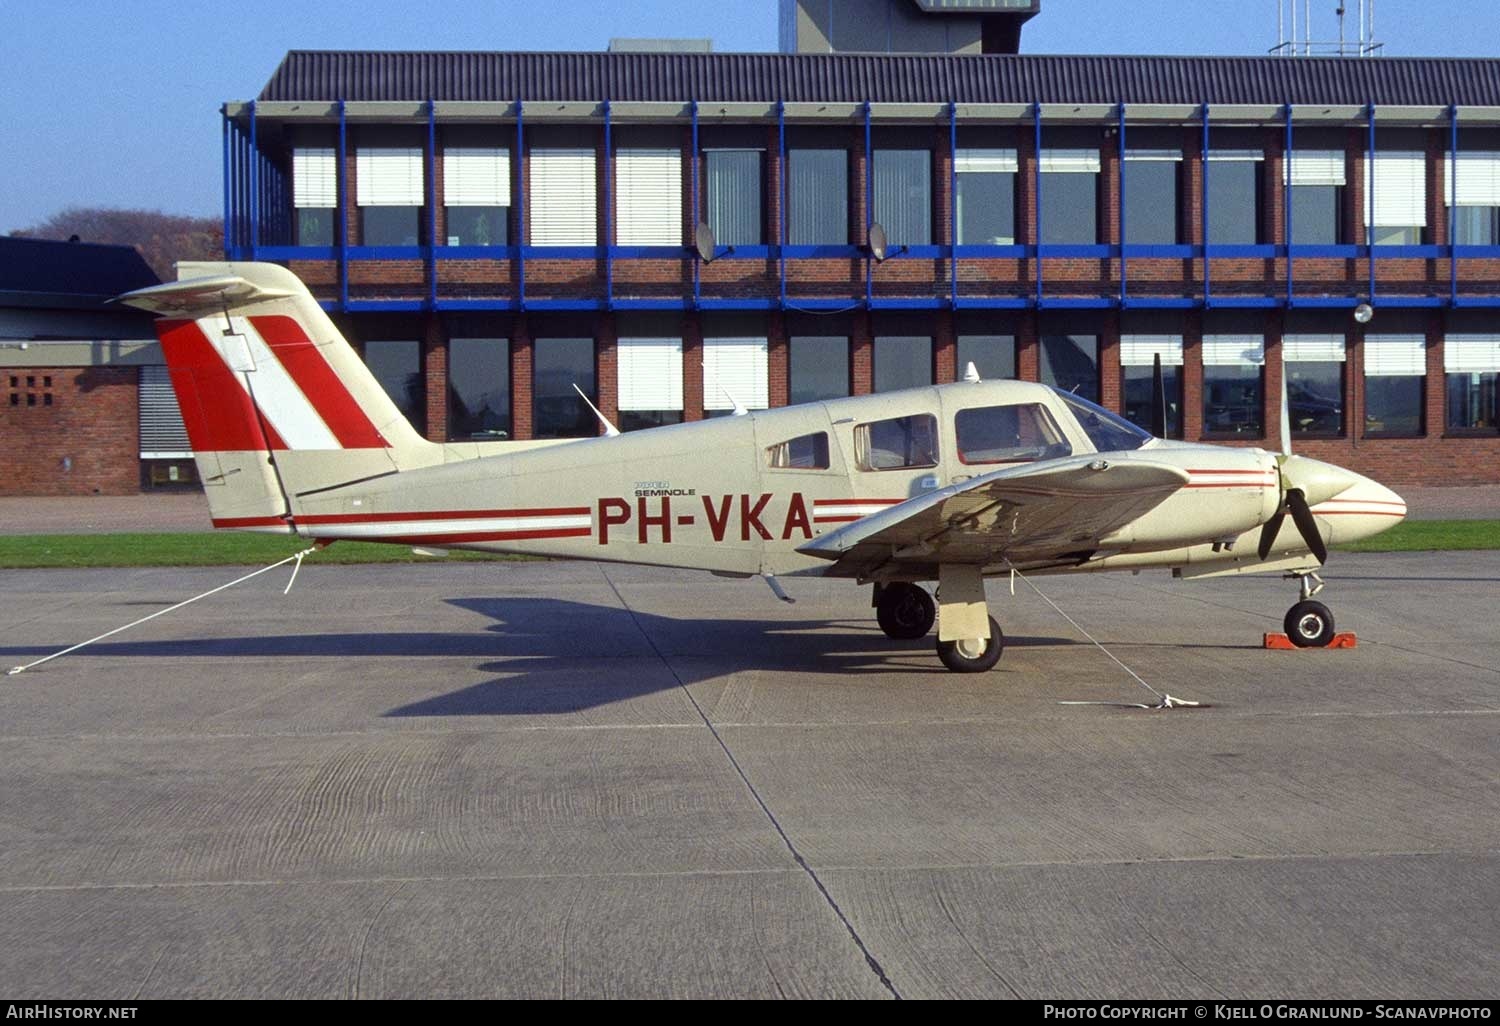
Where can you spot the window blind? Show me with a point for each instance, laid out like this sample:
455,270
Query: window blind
563,210
648,205
315,180
476,177
650,373
736,369
390,177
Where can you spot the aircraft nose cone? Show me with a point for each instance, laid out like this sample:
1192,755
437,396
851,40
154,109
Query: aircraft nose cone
1319,481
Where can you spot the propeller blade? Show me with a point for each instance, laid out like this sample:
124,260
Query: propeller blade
1286,417
1158,400
1307,524
1268,534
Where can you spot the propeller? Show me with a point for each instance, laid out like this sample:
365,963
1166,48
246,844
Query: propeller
1158,400
1300,477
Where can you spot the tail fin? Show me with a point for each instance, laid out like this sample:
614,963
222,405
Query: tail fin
275,401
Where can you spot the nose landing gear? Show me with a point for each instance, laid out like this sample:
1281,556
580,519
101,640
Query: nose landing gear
1309,624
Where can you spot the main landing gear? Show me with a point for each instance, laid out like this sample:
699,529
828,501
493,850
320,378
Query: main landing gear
969,639
1309,624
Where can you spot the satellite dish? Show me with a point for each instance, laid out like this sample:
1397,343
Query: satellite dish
704,243
1364,313
878,241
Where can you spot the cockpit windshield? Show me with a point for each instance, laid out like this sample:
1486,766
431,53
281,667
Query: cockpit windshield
1109,432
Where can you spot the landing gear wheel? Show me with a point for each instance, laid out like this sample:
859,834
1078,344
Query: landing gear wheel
905,611
1309,625
973,655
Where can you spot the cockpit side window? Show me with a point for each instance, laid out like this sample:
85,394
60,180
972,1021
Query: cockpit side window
901,443
1008,434
808,452
1109,432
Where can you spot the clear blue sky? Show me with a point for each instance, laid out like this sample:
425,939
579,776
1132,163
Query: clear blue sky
114,103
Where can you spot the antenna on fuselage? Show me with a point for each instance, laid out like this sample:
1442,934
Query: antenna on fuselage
610,431
971,374
739,411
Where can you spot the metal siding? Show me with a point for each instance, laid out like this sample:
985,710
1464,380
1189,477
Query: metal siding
901,78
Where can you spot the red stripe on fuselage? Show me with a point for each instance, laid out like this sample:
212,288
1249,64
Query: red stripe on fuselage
310,370
480,536
216,409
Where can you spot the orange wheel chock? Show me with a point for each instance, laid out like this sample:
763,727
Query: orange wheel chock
1282,643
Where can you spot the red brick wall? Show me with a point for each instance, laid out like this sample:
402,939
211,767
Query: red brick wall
86,442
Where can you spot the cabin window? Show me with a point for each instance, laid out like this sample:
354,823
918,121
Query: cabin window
808,452
900,443
1008,434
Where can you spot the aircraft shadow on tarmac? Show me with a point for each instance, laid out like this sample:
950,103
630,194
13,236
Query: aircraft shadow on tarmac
538,646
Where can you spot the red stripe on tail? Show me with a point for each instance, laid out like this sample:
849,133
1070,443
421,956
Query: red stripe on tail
216,410
317,380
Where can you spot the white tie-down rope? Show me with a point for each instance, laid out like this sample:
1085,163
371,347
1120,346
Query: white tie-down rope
1164,700
298,557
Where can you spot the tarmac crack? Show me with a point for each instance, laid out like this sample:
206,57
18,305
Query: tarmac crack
870,960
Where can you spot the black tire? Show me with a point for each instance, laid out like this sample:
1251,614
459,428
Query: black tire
960,657
905,611
1309,625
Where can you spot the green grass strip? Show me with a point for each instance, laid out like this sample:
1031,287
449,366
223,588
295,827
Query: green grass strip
224,548
201,549
1433,536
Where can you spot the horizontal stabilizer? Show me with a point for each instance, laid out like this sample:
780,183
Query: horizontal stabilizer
197,296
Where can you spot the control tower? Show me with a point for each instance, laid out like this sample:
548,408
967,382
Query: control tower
904,26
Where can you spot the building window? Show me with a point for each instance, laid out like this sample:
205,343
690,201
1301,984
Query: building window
648,204
734,196
1396,198
1472,365
1008,434
984,197
1150,195
1316,179
1071,363
1068,206
315,194
562,206
1474,199
902,361
163,434
810,452
901,443
391,191
1395,383
818,198
479,389
993,356
397,365
1234,197
650,384
903,195
1314,368
1138,373
818,368
736,370
559,364
1234,386
476,195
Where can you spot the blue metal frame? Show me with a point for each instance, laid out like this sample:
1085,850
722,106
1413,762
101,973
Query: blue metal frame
259,223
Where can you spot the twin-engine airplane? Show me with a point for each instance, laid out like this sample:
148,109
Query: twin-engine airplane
952,483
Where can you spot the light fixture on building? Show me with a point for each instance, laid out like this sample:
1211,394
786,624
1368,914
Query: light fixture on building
1364,313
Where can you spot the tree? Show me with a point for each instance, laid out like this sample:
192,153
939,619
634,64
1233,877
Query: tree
161,239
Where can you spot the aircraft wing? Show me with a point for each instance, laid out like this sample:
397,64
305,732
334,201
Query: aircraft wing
1054,511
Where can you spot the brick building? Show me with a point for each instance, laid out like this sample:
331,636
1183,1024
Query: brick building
491,229
85,407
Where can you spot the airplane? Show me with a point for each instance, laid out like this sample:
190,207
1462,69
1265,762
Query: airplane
952,483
